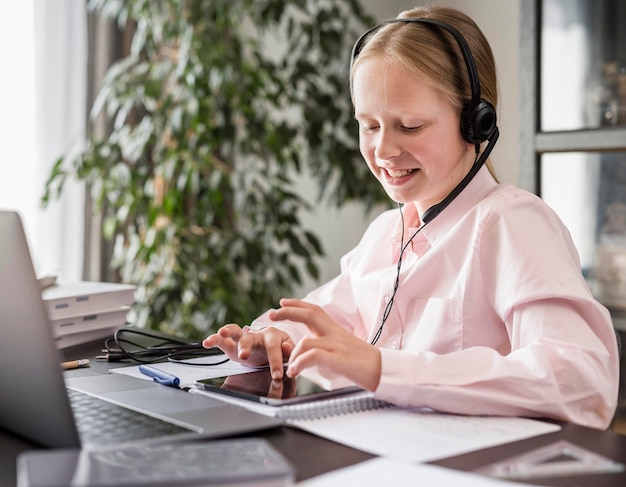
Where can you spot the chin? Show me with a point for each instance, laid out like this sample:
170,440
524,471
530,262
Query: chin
398,197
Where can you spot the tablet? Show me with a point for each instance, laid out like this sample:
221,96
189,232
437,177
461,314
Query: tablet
259,386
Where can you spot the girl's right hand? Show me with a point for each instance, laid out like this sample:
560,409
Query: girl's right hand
268,346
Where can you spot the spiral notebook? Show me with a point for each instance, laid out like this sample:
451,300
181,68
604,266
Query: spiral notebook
290,399
354,417
324,408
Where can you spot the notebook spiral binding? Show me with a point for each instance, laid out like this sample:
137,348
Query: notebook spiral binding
353,403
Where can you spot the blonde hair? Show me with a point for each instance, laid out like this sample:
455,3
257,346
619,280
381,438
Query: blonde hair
432,54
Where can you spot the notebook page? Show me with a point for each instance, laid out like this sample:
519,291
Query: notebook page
419,435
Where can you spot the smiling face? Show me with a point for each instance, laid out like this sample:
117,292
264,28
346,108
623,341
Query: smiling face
409,134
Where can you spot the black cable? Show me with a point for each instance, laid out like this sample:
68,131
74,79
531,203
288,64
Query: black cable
189,354
149,347
432,213
396,284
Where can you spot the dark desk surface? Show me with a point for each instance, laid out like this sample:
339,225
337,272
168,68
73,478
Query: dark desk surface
312,455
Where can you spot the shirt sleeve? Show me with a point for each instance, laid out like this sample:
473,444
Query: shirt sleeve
563,360
340,297
337,299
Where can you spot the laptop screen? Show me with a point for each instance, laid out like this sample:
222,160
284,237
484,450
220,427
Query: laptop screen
34,403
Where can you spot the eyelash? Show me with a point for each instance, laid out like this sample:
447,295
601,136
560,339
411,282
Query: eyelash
375,127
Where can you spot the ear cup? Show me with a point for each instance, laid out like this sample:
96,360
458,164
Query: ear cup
478,121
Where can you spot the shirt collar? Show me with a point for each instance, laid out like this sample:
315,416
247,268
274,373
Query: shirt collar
476,190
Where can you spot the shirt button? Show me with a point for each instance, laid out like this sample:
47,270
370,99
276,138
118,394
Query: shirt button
394,345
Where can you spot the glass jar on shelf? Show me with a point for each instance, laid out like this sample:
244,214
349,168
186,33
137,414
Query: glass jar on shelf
604,102
621,96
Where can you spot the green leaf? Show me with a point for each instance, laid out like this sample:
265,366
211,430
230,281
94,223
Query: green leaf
209,123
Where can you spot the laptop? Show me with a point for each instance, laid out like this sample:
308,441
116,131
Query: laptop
36,404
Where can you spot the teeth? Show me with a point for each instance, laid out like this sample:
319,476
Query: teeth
399,173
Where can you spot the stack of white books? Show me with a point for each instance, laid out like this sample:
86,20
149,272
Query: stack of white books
85,311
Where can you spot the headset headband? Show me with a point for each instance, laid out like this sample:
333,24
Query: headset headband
478,118
458,37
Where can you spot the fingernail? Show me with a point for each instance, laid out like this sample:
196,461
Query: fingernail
276,374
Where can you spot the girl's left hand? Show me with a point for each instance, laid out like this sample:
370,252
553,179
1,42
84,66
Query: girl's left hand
330,346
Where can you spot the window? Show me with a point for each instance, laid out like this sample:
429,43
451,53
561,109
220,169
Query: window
574,132
43,44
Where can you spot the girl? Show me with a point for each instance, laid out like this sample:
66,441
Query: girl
468,300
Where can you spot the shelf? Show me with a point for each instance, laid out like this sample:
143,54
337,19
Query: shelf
609,139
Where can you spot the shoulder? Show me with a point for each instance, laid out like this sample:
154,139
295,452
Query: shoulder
509,203
517,218
509,195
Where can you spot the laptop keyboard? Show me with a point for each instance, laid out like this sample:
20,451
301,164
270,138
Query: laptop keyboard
101,422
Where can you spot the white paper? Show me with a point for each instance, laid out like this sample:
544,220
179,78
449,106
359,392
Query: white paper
422,436
407,434
188,374
383,471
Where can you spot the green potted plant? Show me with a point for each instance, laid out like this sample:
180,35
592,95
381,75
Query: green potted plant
218,107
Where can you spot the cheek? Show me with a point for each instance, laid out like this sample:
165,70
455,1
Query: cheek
367,151
363,146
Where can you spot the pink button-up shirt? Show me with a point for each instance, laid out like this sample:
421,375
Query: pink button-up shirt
492,314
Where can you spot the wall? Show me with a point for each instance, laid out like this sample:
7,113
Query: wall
340,230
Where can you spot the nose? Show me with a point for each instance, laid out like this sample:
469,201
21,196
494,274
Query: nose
387,145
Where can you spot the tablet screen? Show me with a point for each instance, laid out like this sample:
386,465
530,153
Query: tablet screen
260,387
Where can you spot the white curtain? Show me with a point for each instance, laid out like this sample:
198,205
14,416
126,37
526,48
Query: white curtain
43,44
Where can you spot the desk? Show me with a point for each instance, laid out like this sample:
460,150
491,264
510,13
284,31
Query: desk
311,455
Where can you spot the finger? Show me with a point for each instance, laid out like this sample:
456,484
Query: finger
228,346
309,343
362,365
275,357
225,339
288,347
249,341
308,314
305,360
297,303
276,389
304,346
231,330
211,341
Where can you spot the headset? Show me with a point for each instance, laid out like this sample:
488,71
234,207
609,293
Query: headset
478,124
478,116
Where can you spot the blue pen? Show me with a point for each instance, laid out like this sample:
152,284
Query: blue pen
160,376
